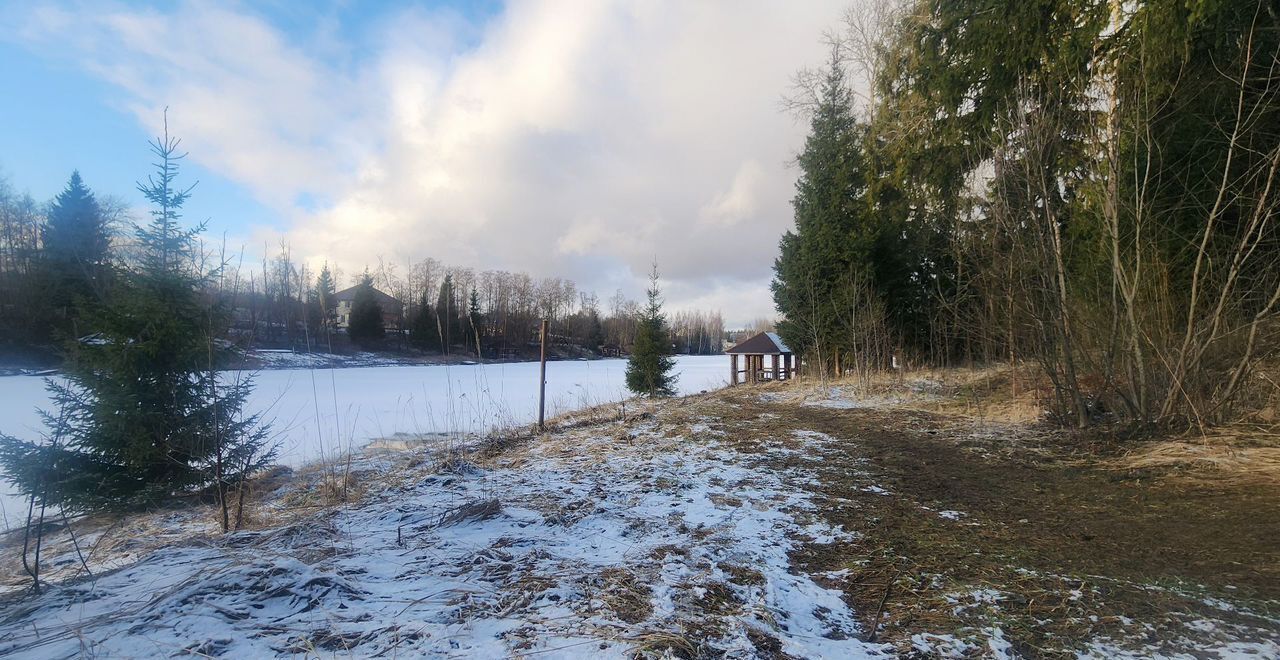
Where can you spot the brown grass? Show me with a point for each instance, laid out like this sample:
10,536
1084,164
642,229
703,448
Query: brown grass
625,594
1216,461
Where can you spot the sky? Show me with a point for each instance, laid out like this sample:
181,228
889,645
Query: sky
578,139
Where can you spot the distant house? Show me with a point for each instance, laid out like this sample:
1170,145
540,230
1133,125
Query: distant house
392,309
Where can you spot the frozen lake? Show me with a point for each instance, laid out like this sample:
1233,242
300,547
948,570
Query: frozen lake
319,413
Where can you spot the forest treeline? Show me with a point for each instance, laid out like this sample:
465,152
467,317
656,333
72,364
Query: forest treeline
455,309
1085,185
55,253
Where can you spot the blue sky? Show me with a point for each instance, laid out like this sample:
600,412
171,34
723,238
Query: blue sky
62,118
561,138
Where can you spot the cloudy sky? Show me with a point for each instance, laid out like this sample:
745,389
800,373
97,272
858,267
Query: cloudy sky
579,139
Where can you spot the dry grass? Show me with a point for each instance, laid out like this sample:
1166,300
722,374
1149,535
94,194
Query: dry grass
664,645
331,489
471,511
999,393
625,594
1216,461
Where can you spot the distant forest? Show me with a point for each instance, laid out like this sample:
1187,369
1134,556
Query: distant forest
450,308
56,256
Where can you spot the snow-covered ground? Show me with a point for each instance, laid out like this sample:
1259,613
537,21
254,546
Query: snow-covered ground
321,413
592,543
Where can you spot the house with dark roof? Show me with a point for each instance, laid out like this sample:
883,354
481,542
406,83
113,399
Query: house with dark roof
392,309
783,365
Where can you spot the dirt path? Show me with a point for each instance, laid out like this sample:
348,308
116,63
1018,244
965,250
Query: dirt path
975,529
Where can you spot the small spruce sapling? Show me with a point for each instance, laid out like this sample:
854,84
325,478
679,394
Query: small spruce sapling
649,367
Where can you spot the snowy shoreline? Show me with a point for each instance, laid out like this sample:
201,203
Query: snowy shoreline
266,359
324,413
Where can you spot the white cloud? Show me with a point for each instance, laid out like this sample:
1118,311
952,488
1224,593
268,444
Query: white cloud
741,201
562,138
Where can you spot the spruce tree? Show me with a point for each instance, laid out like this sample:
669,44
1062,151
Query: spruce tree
325,293
475,319
365,326
447,314
595,332
321,312
649,367
75,254
833,235
142,414
424,332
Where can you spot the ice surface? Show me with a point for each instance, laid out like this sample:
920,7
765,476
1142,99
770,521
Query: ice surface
321,413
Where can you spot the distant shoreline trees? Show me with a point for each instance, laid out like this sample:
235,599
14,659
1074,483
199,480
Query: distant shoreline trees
279,303
496,314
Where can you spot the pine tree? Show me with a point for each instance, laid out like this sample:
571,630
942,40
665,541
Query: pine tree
649,367
76,241
366,324
142,415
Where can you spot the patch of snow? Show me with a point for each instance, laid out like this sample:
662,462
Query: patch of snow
576,524
946,646
1219,604
998,645
838,399
985,598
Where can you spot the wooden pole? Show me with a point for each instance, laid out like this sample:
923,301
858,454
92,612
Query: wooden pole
542,381
733,369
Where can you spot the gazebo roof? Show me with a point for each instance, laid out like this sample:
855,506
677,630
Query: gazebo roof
765,343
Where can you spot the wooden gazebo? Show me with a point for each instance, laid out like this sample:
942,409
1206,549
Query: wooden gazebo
753,350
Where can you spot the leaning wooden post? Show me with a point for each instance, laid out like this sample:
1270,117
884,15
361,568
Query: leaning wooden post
733,369
542,380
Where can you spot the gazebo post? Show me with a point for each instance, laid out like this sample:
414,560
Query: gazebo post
775,357
733,369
